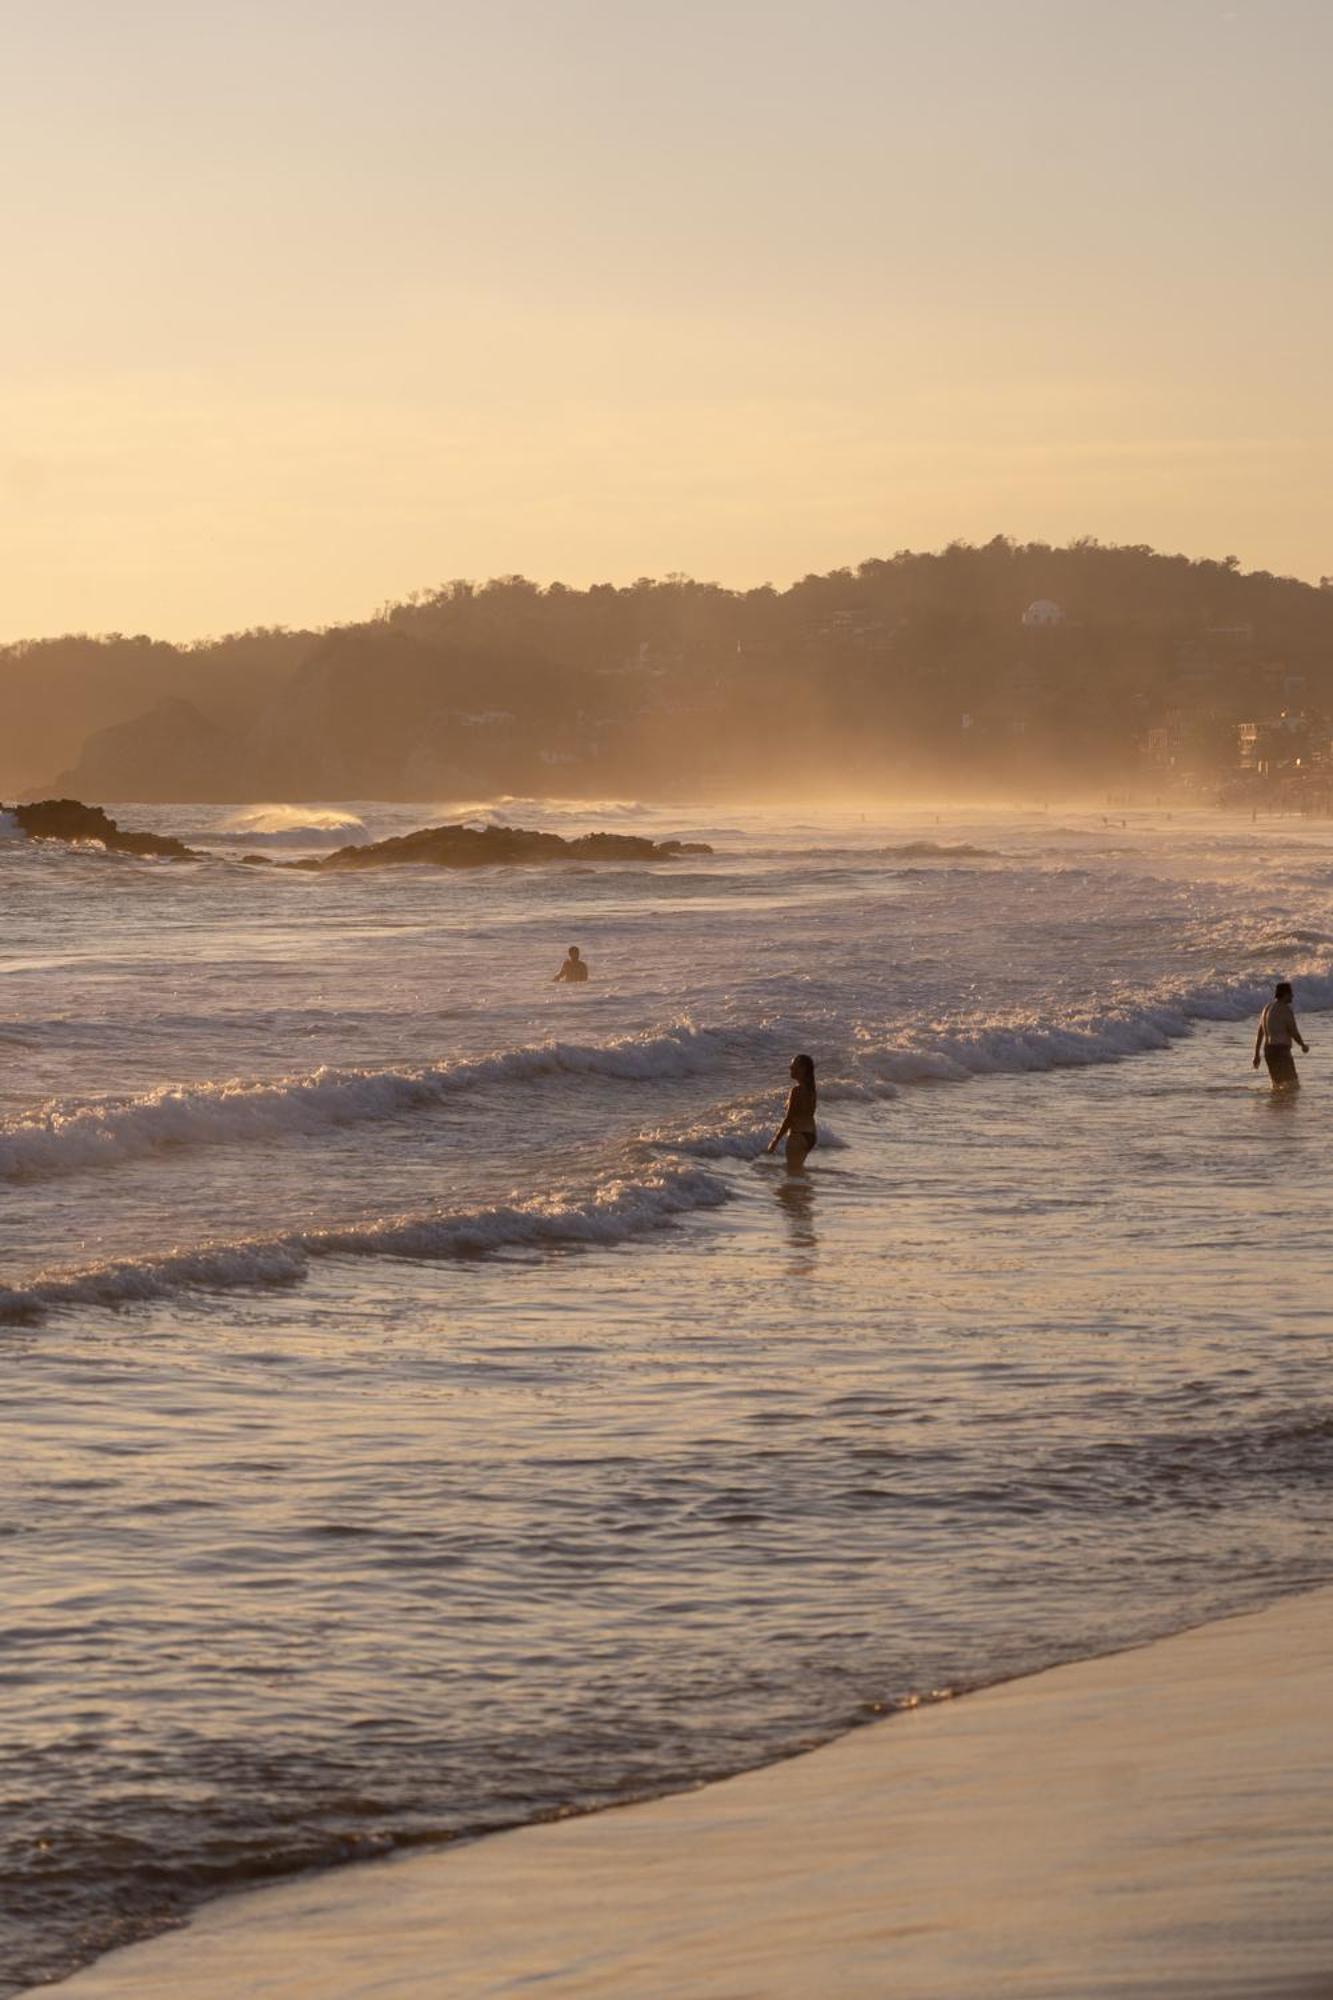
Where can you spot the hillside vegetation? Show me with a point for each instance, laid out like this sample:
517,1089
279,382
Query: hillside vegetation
915,670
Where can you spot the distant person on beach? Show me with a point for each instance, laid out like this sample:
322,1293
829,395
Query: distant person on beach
574,969
798,1127
1277,1032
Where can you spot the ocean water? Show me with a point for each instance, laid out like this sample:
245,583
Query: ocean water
427,1409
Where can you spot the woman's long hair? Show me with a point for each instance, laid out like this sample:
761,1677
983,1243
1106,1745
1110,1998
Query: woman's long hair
805,1069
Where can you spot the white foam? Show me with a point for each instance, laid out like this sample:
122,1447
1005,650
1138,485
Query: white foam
1017,1046
70,1137
287,821
735,1135
613,1213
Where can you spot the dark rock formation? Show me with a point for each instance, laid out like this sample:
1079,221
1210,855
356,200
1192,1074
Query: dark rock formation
68,819
490,847
436,846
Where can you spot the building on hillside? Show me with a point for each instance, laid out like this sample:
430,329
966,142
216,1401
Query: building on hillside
1043,611
1282,744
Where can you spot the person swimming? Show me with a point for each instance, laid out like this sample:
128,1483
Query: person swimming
1277,1032
798,1127
574,969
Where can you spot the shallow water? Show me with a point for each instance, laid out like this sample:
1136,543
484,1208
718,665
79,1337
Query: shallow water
483,1430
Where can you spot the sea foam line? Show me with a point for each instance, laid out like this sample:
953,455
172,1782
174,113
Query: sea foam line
1106,1035
63,1139
613,1213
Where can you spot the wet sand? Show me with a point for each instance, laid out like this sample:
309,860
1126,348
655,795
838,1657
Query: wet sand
1157,1823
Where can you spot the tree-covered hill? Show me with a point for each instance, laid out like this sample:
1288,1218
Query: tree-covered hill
1008,664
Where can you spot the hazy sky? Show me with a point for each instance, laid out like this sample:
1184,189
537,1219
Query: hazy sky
310,303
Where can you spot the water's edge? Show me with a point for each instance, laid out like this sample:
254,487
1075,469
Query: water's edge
440,1847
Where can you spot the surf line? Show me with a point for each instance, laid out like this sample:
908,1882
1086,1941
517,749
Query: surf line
612,1214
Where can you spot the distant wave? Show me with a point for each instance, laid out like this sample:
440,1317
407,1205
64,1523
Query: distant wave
507,810
613,1213
67,1138
293,819
288,826
1279,944
951,850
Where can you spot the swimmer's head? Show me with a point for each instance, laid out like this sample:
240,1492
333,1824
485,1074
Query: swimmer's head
1282,991
573,951
803,1068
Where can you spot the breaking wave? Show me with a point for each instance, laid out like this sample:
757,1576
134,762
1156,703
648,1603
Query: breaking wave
613,1213
288,826
293,819
1107,1035
65,1139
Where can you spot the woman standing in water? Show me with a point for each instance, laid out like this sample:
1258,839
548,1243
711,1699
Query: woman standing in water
798,1127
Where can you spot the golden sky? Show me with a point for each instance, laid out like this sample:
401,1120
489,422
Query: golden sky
311,303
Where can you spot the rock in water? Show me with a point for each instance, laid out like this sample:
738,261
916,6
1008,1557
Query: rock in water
493,847
69,819
435,846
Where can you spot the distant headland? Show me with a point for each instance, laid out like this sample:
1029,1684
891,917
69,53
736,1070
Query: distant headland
1005,669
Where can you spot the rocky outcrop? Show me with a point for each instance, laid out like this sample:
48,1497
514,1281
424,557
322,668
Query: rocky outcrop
68,819
488,847
434,846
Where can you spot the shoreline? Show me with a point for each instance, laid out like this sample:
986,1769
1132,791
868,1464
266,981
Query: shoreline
1154,1822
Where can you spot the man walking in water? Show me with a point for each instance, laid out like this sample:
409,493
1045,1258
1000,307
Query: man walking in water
574,969
1277,1032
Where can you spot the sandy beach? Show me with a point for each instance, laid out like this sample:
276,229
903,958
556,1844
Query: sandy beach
1156,1823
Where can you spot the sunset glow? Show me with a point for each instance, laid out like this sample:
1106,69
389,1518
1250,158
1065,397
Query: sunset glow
312,305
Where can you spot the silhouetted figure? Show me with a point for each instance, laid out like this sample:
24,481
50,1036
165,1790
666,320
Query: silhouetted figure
1277,1032
574,970
798,1127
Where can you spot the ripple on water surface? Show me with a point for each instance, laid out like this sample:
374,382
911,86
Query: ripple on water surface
420,1547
